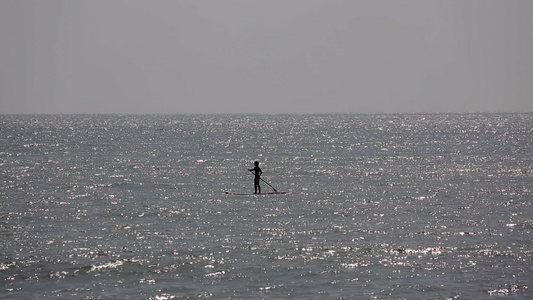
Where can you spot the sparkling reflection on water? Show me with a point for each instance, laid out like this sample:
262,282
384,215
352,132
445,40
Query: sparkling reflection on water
380,206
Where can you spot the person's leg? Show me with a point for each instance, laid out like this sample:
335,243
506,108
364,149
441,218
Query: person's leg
257,186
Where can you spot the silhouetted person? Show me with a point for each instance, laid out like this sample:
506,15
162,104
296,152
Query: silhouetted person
257,172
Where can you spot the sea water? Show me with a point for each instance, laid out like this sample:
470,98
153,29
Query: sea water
414,206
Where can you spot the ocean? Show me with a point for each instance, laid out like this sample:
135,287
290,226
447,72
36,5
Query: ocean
395,206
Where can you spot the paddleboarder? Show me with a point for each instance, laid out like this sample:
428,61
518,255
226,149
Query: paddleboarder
257,172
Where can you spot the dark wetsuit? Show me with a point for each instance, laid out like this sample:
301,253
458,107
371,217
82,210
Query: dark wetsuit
257,172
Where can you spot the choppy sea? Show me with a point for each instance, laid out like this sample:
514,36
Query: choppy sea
407,206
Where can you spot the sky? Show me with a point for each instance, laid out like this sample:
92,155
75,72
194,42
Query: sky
275,56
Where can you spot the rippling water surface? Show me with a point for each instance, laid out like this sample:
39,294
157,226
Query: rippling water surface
380,207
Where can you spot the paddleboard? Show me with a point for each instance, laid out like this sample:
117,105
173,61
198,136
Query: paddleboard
251,194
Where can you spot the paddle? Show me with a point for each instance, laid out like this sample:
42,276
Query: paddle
276,191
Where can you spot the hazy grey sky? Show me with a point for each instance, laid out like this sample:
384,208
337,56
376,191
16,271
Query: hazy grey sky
271,56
